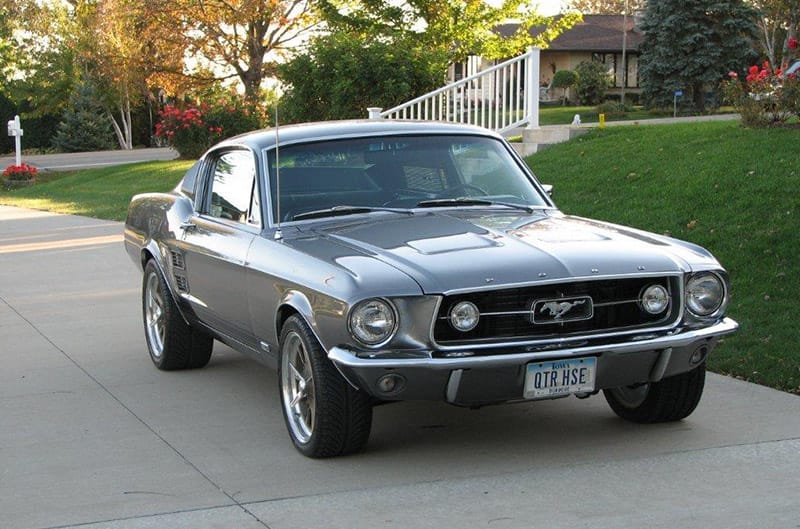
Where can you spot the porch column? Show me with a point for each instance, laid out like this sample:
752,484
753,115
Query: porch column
532,88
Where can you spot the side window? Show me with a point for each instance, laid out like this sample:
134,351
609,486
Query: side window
234,195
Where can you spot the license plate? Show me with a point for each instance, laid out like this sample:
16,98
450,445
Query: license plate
559,377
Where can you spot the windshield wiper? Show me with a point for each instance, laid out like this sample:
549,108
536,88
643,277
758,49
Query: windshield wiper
337,211
469,201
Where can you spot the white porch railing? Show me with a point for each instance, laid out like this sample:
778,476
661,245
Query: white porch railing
500,98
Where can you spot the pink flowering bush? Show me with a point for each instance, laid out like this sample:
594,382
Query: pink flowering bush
192,128
765,97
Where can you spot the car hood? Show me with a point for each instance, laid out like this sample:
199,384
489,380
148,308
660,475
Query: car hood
444,251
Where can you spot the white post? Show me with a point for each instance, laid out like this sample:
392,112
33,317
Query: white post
15,129
374,112
532,88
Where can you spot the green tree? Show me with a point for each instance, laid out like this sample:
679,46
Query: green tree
593,81
691,46
85,125
342,74
454,27
564,79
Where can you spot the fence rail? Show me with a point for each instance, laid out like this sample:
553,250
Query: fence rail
502,97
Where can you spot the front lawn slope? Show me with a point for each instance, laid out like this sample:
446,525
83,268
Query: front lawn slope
101,193
733,190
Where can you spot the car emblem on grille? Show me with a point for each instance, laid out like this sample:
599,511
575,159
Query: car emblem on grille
562,310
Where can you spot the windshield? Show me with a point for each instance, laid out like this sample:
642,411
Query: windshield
396,172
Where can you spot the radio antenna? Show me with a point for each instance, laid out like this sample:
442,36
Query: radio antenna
278,233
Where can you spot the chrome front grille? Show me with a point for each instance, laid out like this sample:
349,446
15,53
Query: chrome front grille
508,314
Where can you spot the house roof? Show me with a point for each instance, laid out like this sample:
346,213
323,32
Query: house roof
600,33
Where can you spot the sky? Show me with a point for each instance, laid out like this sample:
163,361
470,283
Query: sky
550,7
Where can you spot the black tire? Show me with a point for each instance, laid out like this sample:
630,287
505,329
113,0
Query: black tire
173,344
672,399
324,414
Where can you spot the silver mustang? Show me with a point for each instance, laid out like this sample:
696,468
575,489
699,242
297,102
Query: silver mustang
377,261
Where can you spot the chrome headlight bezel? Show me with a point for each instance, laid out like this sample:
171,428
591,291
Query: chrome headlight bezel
358,317
650,292
458,311
697,295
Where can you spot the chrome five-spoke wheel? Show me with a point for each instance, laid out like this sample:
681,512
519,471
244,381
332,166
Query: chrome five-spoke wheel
297,385
172,342
154,314
324,414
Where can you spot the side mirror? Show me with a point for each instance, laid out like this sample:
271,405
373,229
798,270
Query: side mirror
548,188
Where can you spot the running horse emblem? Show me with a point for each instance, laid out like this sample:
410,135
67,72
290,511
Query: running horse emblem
557,309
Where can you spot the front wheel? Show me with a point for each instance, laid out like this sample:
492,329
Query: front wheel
325,416
671,399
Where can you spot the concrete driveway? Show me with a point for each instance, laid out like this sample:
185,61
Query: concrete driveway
91,435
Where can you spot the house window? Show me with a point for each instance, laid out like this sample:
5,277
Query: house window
611,60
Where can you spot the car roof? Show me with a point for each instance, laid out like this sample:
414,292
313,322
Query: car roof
328,130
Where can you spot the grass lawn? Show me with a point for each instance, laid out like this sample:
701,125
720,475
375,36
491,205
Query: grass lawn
558,115
732,190
102,193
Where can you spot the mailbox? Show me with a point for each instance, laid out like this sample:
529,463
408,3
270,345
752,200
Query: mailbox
14,127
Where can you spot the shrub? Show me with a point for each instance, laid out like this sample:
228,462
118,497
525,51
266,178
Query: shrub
342,74
20,172
593,81
613,108
564,79
192,128
765,97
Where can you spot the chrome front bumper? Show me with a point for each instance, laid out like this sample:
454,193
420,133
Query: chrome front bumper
473,380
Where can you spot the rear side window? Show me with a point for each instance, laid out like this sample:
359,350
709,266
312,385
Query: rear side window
233,188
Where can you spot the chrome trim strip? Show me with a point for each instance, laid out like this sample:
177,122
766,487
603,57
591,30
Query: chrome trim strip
452,385
347,358
526,312
657,373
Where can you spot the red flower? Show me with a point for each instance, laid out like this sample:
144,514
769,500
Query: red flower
733,75
20,172
792,43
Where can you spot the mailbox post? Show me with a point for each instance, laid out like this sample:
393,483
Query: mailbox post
15,129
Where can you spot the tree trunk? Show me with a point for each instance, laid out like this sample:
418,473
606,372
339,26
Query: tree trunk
699,95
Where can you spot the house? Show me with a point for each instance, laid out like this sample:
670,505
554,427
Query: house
597,38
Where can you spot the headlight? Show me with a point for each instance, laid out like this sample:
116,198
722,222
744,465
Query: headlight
464,316
372,321
705,294
655,299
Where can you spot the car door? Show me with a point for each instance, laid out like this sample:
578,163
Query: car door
216,239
